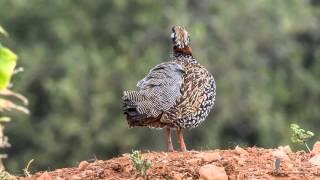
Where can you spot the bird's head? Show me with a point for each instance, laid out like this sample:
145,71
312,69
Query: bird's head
181,40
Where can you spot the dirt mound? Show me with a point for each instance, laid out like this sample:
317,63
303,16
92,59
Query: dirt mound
247,163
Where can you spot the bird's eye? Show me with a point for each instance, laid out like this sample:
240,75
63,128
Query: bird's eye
173,35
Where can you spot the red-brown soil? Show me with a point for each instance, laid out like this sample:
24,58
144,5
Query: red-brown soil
247,163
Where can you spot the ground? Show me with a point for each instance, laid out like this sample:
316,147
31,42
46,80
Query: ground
238,163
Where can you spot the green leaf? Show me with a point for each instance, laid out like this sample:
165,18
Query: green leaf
3,31
7,64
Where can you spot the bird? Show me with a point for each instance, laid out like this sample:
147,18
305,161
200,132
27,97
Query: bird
175,95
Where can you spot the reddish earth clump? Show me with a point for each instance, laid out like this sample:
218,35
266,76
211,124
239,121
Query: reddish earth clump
239,163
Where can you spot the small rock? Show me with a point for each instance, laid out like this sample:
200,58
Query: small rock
99,161
209,156
165,161
45,176
281,155
126,155
290,165
177,177
76,177
116,167
88,172
285,149
59,171
241,161
193,161
315,160
83,165
316,148
58,178
251,169
240,151
212,172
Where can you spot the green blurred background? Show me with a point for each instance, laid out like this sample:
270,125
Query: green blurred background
79,56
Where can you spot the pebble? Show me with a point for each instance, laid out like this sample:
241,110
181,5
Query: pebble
315,160
212,172
193,161
83,165
45,176
76,177
177,177
285,149
281,155
316,148
240,151
209,156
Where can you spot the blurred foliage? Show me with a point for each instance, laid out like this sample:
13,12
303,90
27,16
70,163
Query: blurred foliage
3,31
79,56
7,66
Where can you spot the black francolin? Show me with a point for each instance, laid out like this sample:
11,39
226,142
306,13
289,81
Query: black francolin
177,94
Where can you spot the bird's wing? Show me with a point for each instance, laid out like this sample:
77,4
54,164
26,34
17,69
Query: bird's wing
160,88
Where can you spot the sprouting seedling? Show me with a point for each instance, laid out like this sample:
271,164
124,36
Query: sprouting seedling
26,169
299,135
142,165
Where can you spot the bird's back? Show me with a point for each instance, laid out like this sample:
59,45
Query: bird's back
175,94
158,92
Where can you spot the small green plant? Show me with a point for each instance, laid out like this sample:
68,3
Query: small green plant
299,135
142,165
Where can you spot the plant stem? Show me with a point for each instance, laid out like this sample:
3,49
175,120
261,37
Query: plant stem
305,143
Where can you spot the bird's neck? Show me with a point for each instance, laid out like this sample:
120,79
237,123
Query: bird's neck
187,51
184,54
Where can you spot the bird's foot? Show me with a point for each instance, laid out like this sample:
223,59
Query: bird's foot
169,140
183,149
171,149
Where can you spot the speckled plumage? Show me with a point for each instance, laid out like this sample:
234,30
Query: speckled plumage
198,95
176,94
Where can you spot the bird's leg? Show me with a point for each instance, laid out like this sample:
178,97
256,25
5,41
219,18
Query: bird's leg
169,140
181,141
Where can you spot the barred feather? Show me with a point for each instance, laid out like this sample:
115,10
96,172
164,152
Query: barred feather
158,91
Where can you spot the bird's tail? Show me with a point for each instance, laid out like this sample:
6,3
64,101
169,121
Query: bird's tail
130,100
